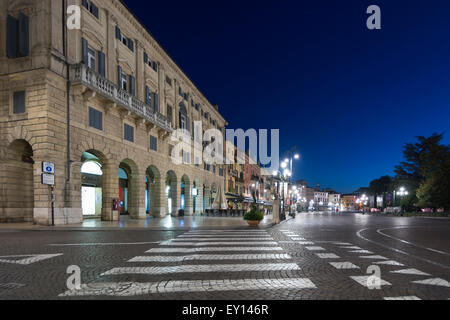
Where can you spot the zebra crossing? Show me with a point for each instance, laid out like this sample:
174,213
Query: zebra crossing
227,251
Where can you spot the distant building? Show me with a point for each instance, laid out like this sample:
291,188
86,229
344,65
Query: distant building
348,202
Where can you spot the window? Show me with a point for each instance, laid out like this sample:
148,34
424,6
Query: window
169,113
153,143
95,119
183,121
91,59
186,157
91,7
214,169
196,106
128,133
150,63
126,82
17,36
180,91
126,41
19,102
95,60
221,172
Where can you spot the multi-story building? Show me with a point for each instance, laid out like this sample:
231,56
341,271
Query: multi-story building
253,179
99,102
320,199
348,202
334,200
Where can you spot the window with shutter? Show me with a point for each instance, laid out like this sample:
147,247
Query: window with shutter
24,35
17,36
95,119
101,64
12,25
153,143
128,133
156,102
132,85
19,102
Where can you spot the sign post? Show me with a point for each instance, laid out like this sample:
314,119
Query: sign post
48,178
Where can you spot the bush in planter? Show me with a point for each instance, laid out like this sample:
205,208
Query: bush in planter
254,215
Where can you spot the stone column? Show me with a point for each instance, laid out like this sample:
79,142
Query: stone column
207,197
136,196
175,189
158,201
110,189
199,201
188,199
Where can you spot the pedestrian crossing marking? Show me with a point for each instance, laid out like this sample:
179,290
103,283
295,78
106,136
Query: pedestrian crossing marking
367,281
327,256
212,249
434,282
198,257
28,258
203,269
344,265
222,239
130,289
403,298
389,263
315,248
199,244
361,251
373,257
411,272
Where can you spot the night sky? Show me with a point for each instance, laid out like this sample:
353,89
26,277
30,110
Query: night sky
348,98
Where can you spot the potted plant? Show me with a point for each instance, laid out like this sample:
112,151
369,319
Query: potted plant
254,216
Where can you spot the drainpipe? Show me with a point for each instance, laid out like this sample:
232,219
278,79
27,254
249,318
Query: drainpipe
63,15
64,38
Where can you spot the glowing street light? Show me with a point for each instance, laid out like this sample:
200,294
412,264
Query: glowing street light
297,156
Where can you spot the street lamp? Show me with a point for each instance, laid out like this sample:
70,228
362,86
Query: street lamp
402,193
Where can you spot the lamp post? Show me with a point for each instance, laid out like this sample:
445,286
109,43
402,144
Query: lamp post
401,193
288,163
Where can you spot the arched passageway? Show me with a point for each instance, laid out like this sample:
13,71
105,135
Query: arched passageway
17,183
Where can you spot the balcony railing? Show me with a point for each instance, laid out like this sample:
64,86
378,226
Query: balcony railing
81,73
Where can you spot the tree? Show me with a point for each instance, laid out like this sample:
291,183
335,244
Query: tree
434,191
424,159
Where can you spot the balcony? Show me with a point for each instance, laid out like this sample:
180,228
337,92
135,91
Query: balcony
91,79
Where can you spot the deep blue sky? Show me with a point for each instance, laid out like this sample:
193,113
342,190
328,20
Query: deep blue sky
346,97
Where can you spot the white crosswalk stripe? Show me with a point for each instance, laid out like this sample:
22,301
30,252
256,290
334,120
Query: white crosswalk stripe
223,236
212,257
212,249
129,289
200,244
204,268
222,239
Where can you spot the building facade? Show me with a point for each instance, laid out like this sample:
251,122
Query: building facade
101,103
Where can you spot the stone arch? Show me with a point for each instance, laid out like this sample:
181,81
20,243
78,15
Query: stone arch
171,193
197,200
92,187
187,194
17,182
153,193
129,191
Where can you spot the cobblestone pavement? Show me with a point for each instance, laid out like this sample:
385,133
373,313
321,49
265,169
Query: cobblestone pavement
315,256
